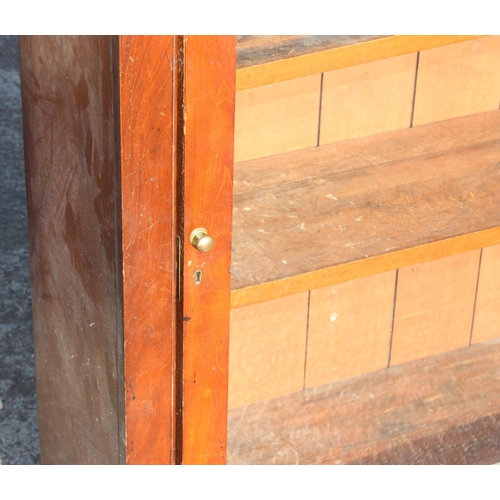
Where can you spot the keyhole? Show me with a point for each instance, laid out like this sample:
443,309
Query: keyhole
197,278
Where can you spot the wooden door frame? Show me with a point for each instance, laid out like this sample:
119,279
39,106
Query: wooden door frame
128,148
209,100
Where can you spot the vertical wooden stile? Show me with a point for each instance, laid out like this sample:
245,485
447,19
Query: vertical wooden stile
147,66
209,89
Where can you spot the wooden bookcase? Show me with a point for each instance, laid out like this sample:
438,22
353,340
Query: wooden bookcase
364,266
359,252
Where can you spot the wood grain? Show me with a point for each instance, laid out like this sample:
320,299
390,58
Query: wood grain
349,328
252,50
365,267
367,99
487,312
344,51
148,236
277,118
68,90
440,410
309,212
267,349
209,63
452,81
431,317
458,80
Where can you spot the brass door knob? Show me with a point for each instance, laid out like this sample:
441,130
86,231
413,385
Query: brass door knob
201,240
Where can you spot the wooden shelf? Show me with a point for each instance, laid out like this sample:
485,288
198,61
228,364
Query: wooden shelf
262,60
439,410
319,216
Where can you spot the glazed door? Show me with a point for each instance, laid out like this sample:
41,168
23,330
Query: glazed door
209,93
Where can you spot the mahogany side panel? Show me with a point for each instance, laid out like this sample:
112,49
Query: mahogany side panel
210,65
69,95
148,241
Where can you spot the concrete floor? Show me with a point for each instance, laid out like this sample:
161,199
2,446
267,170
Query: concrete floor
18,415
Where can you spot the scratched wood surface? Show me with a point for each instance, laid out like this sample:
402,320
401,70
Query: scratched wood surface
270,59
303,212
146,96
267,349
367,99
453,81
277,118
350,323
208,165
68,94
487,312
440,410
255,49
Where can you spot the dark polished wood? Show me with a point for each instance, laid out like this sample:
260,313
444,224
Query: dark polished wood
69,92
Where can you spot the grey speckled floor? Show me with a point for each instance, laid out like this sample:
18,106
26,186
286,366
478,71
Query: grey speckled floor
18,416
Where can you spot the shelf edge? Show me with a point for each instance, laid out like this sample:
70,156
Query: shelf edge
364,267
341,57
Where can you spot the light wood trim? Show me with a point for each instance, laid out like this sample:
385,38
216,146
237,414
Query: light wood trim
364,267
252,50
340,57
